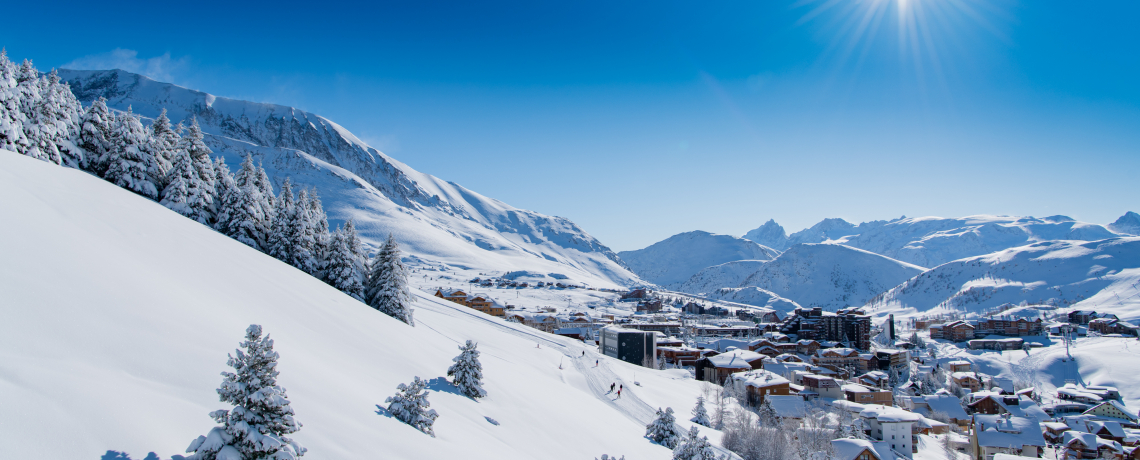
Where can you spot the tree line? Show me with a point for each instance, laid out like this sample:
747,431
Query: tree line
40,117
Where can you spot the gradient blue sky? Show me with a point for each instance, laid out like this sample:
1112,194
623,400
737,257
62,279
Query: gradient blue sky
639,120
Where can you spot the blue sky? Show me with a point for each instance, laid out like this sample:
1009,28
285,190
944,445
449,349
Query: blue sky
639,120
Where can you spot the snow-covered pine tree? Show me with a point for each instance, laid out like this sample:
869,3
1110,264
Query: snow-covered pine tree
694,447
248,219
224,186
387,286
304,235
281,238
467,373
344,267
176,196
663,429
768,415
268,199
410,405
256,427
203,193
51,121
132,164
164,139
28,96
11,118
66,110
700,415
322,239
95,126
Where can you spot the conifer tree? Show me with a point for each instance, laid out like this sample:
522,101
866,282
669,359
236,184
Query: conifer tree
663,429
132,165
224,186
257,426
163,142
51,121
11,118
694,447
410,405
768,415
344,269
387,286
27,94
304,235
95,126
269,201
467,373
203,190
247,220
281,238
322,239
176,196
700,415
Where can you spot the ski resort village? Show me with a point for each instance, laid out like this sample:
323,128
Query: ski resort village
191,276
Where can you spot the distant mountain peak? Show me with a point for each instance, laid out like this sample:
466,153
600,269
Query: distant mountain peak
770,234
1129,224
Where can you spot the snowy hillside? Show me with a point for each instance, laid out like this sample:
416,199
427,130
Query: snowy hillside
1097,275
1128,224
933,241
675,259
435,220
813,275
753,295
119,313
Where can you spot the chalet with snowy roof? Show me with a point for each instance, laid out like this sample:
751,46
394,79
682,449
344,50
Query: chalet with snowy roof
959,366
854,449
807,347
1076,444
717,368
821,386
862,394
1053,432
945,403
1107,430
1071,392
456,295
1009,435
1111,326
769,351
867,362
874,379
897,359
789,358
1084,317
635,294
955,331
1019,327
759,384
893,426
967,380
1113,410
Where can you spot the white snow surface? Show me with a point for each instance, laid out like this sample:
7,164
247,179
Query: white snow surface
675,259
119,314
932,241
1099,275
436,221
812,275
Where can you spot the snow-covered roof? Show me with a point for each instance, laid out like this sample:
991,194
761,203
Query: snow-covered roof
759,378
948,404
735,359
855,388
888,414
1010,457
1006,431
850,448
849,406
1113,428
1087,439
788,406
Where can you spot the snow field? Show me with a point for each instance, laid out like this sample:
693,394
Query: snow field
119,314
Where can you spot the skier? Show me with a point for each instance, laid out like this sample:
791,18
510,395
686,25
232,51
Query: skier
619,393
612,385
583,353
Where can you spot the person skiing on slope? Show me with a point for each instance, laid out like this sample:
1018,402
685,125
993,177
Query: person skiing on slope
596,362
612,387
619,393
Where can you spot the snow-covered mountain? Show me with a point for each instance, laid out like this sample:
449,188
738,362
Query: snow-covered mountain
436,221
933,241
753,295
675,259
1096,275
1128,224
813,275
118,315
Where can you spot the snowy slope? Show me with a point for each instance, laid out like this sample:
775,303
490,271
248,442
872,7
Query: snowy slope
813,275
118,315
1097,275
932,241
675,259
438,221
753,295
1128,224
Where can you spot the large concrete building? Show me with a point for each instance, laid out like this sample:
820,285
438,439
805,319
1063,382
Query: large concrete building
629,345
849,326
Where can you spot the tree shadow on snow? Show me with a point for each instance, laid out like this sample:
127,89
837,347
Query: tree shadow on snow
116,455
441,385
381,410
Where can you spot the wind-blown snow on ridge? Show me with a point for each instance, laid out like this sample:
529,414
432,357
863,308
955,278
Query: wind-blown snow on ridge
932,241
830,276
677,258
1099,275
436,221
119,314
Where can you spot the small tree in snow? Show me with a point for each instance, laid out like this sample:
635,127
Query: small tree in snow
344,267
467,373
387,286
663,429
700,415
410,405
256,427
694,447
